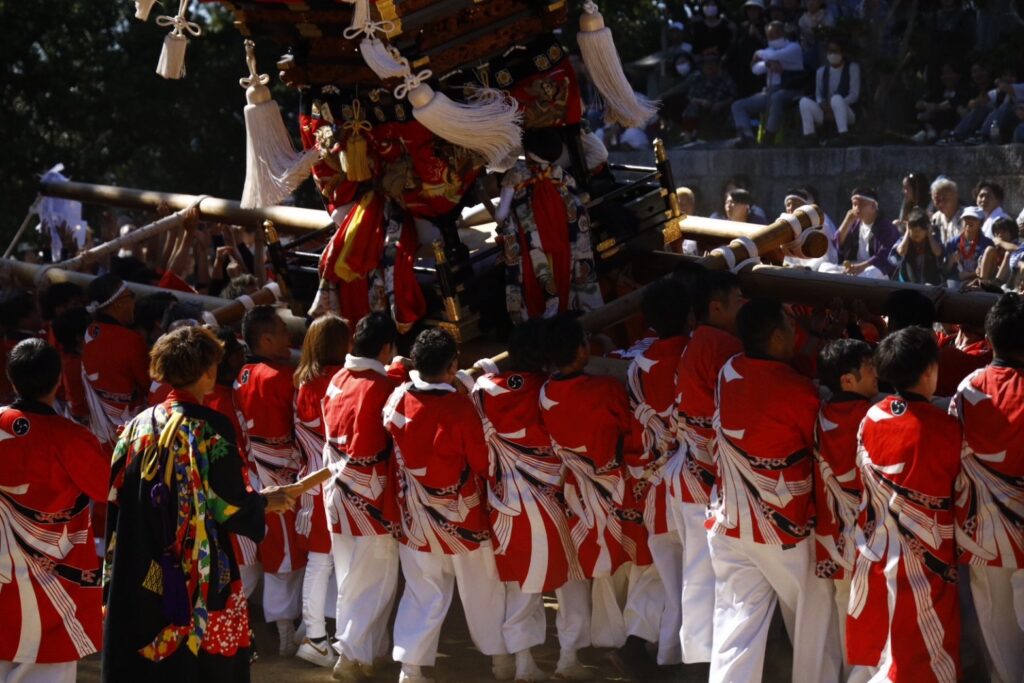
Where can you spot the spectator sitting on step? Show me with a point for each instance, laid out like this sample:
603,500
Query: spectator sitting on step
781,63
946,222
941,109
710,93
864,239
963,253
990,109
711,29
999,262
836,90
811,23
989,198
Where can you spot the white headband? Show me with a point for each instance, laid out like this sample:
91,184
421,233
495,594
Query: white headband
864,197
95,306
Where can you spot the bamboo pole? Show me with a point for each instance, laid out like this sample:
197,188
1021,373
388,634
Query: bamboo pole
286,218
142,234
226,311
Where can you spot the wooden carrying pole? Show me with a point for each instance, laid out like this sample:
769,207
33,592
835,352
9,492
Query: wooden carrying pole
286,218
146,232
226,311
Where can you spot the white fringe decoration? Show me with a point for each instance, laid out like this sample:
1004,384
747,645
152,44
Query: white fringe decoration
142,8
490,124
172,56
385,60
360,18
273,169
622,104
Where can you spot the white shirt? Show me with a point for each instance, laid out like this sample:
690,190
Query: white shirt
864,242
789,56
948,228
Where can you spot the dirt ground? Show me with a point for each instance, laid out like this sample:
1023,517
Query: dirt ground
459,662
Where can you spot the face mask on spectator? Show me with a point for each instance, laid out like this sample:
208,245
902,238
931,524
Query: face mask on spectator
835,58
683,68
777,43
711,11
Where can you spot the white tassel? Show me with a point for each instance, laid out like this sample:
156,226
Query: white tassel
360,17
488,125
142,8
384,60
172,56
622,104
273,169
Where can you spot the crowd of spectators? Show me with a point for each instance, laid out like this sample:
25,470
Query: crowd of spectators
936,236
835,72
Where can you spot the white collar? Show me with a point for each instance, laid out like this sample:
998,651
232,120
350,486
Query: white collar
358,363
419,384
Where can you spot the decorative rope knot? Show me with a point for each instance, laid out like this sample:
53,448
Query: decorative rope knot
412,81
369,29
181,24
254,78
358,124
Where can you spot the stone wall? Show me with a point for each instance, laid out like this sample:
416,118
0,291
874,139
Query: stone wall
834,172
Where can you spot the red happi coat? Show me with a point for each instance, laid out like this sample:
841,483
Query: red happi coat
904,614
955,363
764,427
705,354
362,497
990,490
263,395
50,595
311,520
443,462
115,370
837,486
588,419
653,394
222,400
532,543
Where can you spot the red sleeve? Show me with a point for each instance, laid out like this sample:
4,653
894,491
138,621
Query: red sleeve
169,280
86,462
398,372
473,443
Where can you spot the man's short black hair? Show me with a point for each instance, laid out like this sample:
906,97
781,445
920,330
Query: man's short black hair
741,196
546,143
907,308
840,357
712,285
15,306
526,347
1008,226
563,336
757,321
33,368
917,218
232,360
904,356
666,307
258,321
58,295
150,309
1004,326
69,329
995,188
433,352
373,333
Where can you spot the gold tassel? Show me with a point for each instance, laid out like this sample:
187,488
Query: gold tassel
357,160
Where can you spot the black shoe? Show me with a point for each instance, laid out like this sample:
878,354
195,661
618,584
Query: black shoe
743,142
807,141
633,660
841,140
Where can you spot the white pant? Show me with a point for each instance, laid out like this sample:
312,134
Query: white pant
850,674
698,583
430,580
573,618
366,573
999,601
608,600
525,625
282,595
250,574
315,586
751,578
812,114
668,558
30,672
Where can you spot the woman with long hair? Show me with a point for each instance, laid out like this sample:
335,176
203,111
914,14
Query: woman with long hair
323,354
175,609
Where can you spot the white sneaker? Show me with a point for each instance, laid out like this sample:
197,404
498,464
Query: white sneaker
321,655
347,670
413,676
503,667
530,673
